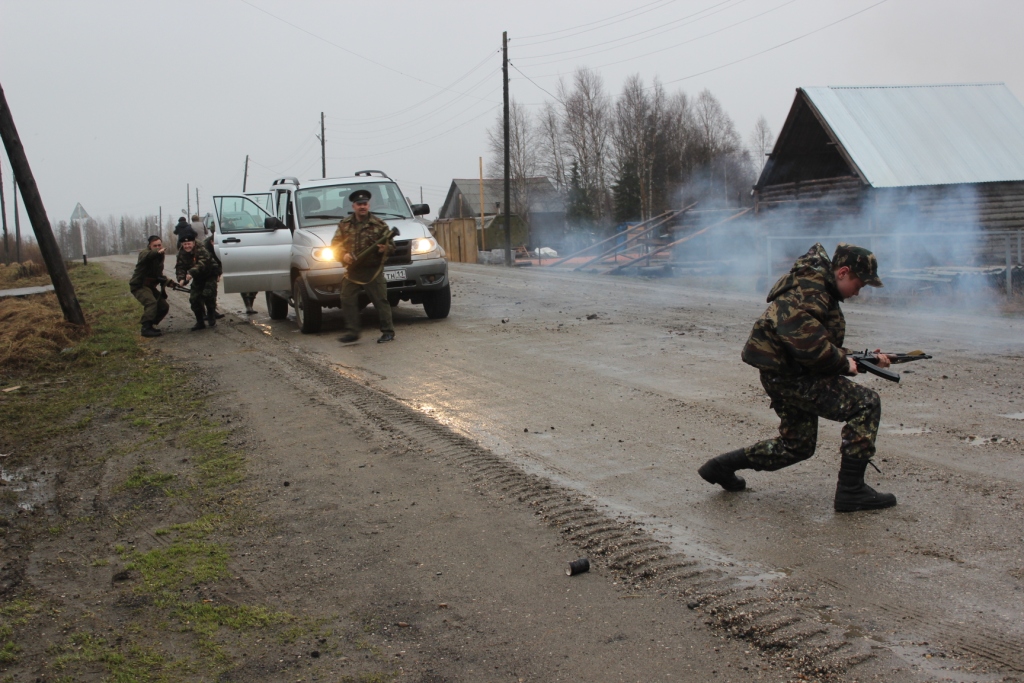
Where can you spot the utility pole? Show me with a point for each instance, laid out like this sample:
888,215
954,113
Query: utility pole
37,215
17,226
245,176
323,148
483,234
160,224
188,200
197,203
3,218
508,208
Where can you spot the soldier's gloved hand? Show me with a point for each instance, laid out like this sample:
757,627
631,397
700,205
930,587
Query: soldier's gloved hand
347,259
853,366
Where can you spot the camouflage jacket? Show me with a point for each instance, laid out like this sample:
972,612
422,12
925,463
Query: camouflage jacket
149,270
802,330
218,268
199,264
353,237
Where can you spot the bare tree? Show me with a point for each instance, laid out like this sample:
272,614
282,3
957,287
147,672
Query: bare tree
761,142
587,125
551,148
523,158
634,139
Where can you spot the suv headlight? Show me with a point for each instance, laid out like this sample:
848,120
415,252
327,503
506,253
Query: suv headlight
324,254
424,245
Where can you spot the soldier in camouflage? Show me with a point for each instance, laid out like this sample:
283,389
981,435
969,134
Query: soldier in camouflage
355,234
149,273
196,265
797,344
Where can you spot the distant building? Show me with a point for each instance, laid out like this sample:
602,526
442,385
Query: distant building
543,226
899,162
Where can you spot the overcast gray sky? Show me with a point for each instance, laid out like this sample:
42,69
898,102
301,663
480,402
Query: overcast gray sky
121,103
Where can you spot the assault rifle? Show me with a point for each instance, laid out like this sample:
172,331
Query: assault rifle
393,232
866,362
168,282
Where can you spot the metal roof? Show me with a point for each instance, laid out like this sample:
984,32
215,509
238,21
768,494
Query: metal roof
544,198
900,136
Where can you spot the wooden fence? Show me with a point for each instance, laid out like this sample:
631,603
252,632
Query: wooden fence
458,237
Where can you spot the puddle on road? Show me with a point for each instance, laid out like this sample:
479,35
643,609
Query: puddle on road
30,488
904,430
1013,416
746,581
973,440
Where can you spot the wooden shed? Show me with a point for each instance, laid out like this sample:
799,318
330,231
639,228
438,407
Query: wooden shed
925,173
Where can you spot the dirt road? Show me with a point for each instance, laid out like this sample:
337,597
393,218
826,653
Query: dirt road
611,392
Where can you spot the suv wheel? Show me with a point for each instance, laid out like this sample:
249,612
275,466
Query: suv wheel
308,314
438,304
277,307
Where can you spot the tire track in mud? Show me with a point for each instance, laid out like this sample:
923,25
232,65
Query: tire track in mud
786,624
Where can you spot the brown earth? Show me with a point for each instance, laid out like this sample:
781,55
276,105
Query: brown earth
394,505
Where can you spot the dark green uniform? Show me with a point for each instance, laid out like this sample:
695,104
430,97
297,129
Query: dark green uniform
149,272
354,237
797,344
203,269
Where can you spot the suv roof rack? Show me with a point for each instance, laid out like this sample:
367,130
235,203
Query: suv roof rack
287,180
382,174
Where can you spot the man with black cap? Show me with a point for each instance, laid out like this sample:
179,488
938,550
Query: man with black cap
184,230
149,273
797,344
357,233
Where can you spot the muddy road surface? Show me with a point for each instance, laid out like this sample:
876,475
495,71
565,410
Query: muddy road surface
612,392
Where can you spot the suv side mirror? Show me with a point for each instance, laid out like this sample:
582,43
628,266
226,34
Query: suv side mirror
273,223
420,209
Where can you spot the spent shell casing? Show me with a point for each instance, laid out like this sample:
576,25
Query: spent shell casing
577,567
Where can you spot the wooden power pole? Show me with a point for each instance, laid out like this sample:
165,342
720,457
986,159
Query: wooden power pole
245,176
17,225
483,234
323,148
3,219
508,209
37,216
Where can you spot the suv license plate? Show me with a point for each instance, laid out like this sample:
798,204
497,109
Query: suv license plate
392,275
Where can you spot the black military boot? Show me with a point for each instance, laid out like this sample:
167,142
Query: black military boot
200,323
721,470
149,331
853,494
211,315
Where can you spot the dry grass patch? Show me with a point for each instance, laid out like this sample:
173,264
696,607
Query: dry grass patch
33,330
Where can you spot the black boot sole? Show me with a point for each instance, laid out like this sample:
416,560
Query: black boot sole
713,473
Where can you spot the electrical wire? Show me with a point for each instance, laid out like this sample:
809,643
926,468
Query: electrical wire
776,47
657,30
663,49
532,81
343,49
635,10
419,104
421,119
443,133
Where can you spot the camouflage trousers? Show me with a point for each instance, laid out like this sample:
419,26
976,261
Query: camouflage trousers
155,305
377,292
203,296
799,402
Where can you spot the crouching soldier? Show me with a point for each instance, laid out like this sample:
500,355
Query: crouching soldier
196,265
149,273
797,344
218,269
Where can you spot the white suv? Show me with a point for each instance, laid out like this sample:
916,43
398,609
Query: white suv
287,253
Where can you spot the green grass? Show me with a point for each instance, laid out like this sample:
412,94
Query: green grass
141,478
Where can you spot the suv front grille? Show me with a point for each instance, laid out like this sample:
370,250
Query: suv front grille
401,255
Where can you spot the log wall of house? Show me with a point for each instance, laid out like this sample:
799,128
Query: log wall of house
838,206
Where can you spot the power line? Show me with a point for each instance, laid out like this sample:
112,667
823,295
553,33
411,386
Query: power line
670,47
531,80
421,142
598,21
663,28
344,49
776,47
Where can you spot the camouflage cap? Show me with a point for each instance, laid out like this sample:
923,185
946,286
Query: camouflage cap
861,262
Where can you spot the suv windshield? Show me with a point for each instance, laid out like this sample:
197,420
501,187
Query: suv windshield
329,204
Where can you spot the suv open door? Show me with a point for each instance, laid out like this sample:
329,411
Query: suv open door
254,247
